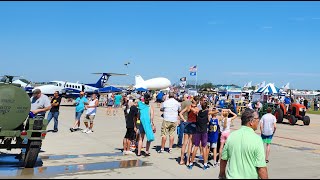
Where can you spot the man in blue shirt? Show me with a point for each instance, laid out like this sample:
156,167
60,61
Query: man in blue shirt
80,106
159,98
287,102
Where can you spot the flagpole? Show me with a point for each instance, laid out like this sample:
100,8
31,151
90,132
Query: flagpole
196,77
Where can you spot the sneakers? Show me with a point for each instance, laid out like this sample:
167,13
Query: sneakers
72,130
215,165
85,131
130,153
190,166
206,167
170,150
160,151
89,131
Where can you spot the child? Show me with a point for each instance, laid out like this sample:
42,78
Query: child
225,127
213,134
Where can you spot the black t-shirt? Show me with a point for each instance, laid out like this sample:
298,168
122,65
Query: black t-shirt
202,122
55,108
131,117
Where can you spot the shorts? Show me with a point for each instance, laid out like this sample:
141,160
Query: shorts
141,129
78,115
212,145
116,105
89,117
110,105
224,136
266,139
168,127
203,138
130,134
190,128
159,101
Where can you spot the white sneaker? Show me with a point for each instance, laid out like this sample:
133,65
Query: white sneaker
130,153
89,131
86,130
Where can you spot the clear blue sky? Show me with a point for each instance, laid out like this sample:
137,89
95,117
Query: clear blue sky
231,42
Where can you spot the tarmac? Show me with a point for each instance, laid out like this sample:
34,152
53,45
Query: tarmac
295,153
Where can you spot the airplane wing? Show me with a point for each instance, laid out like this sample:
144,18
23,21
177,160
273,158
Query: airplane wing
112,74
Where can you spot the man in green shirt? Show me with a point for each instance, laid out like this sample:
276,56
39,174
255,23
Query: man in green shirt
243,155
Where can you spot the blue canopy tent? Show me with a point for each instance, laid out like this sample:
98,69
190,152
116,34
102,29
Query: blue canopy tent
141,90
109,89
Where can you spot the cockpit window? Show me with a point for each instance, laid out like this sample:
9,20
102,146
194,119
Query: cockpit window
53,83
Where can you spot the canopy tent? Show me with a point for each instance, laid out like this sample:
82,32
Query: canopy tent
109,89
141,90
268,89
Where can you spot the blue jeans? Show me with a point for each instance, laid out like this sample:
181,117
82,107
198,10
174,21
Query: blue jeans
181,132
54,115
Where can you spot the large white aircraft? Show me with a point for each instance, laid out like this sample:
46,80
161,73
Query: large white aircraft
152,84
72,90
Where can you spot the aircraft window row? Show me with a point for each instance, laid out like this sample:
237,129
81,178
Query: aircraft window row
72,86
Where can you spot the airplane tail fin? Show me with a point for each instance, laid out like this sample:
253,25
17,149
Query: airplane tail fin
102,81
139,80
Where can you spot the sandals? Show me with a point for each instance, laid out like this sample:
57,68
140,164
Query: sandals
183,163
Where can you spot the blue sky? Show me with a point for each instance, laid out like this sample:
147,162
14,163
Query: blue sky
231,42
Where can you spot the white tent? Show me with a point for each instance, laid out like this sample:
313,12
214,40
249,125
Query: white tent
268,89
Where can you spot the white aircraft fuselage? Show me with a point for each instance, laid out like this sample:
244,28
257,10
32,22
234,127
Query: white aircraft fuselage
62,86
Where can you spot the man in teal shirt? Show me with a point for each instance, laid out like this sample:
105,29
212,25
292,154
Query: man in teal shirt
117,102
80,106
243,155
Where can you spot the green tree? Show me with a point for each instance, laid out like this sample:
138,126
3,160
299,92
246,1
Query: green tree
206,85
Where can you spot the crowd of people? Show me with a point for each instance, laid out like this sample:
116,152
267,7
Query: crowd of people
203,127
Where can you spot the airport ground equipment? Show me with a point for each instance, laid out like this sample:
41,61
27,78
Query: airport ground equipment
17,128
295,112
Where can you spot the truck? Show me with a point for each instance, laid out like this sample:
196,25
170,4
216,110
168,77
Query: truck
18,130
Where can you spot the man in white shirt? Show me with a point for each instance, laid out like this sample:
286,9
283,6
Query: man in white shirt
91,113
170,108
268,127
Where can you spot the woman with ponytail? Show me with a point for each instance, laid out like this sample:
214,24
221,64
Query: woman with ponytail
225,124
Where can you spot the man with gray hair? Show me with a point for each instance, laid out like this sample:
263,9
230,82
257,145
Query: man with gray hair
244,151
40,103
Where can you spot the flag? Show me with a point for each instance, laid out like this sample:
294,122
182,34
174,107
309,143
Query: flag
193,73
183,84
183,79
193,69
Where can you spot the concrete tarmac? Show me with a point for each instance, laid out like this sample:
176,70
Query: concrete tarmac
295,152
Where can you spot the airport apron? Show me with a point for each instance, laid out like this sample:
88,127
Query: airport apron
145,120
